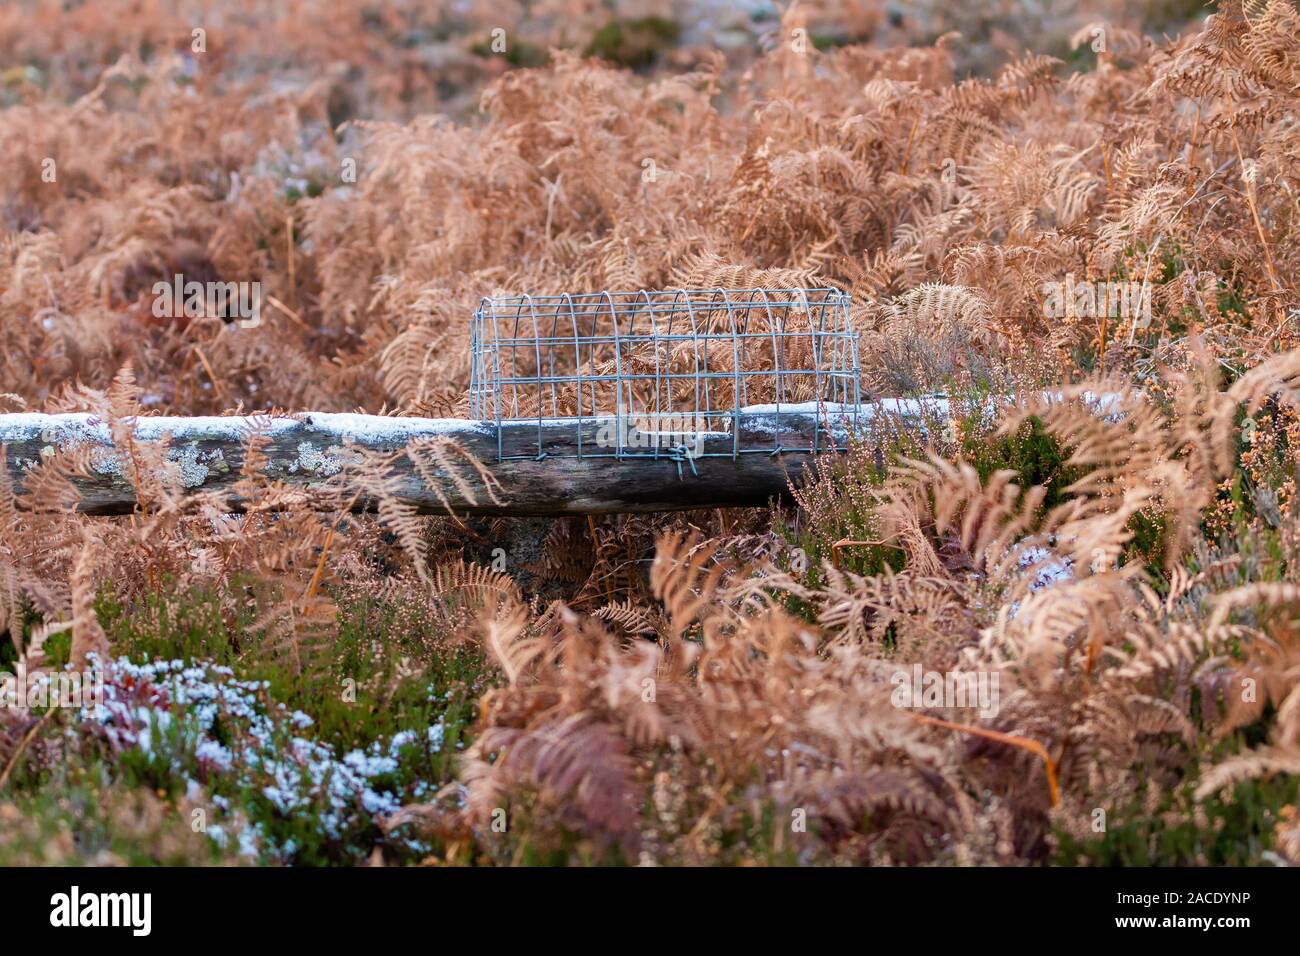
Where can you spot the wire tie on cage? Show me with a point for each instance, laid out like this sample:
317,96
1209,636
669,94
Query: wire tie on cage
776,451
679,454
540,455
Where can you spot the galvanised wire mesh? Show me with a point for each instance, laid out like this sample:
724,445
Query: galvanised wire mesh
648,374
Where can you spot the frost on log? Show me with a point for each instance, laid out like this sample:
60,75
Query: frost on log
312,449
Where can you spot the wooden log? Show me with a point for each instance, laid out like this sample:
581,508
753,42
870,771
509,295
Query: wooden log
313,448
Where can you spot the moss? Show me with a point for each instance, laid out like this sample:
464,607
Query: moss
372,649
823,42
91,821
519,53
1236,831
382,675
1170,16
635,44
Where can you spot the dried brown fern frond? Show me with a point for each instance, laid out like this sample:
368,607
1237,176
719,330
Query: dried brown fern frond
88,637
917,614
685,578
465,593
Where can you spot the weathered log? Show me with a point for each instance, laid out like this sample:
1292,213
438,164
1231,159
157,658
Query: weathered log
312,448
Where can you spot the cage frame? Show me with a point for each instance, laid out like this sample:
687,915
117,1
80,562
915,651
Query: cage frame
835,372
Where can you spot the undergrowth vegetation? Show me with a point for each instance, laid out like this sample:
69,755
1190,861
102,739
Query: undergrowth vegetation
1102,514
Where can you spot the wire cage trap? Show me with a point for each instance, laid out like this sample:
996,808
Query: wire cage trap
651,374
